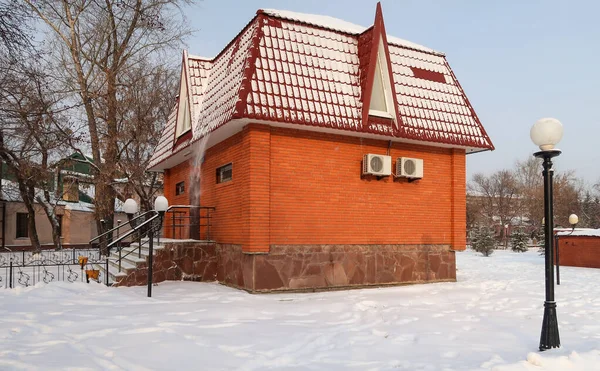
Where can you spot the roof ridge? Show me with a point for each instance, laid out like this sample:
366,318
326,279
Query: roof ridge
340,25
200,58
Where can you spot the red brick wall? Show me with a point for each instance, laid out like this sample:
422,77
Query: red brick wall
318,196
228,197
298,187
579,251
179,173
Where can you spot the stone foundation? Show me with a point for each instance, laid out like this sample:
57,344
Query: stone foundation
317,267
176,261
301,267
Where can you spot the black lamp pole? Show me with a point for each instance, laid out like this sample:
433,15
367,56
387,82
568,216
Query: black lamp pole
550,337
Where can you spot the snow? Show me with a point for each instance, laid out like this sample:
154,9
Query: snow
588,232
340,25
489,320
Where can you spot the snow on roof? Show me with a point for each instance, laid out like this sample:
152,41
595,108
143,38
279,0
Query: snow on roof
587,232
303,69
10,193
336,24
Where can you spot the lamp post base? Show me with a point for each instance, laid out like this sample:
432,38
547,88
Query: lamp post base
550,337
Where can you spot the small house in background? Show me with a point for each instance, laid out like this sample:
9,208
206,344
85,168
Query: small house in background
579,247
334,155
72,195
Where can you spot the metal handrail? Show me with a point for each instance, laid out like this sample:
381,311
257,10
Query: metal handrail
189,207
119,226
121,257
132,231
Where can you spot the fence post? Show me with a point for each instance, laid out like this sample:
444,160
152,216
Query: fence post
150,261
10,275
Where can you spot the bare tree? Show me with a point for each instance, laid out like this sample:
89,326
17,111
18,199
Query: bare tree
145,106
497,197
97,43
32,137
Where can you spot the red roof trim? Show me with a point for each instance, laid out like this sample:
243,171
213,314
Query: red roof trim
246,85
475,117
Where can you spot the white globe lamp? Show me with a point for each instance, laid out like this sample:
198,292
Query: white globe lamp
573,220
161,204
546,133
130,207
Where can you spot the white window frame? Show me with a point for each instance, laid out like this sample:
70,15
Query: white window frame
184,123
381,67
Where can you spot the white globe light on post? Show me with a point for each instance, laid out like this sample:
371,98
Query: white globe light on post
130,207
161,204
546,133
573,220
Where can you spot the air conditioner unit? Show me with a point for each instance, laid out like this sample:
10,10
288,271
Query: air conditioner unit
378,165
411,168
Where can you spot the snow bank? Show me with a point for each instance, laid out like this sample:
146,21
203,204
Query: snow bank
489,320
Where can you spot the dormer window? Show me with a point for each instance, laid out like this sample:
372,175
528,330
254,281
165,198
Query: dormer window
382,102
184,122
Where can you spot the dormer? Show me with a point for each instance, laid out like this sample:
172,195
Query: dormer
378,93
382,98
184,122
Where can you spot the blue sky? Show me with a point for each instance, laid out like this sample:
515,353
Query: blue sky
518,61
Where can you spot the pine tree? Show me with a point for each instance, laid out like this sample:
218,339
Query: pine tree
519,240
483,242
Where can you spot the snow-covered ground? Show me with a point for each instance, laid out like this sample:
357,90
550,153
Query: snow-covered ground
490,319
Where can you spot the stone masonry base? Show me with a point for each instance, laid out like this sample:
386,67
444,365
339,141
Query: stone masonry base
299,267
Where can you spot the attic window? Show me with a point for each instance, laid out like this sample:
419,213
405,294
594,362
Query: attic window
183,115
382,103
428,75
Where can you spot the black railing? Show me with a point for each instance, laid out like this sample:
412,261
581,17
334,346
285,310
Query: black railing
140,233
26,268
107,237
181,221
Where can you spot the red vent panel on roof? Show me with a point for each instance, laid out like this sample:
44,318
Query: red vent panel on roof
428,75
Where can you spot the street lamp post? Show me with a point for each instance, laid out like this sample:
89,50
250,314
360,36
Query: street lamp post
573,220
161,204
546,133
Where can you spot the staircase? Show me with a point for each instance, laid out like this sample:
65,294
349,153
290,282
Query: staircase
131,260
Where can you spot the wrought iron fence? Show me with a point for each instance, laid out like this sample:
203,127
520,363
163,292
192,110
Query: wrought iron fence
26,268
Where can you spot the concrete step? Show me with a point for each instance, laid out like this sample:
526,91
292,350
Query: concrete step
129,255
112,273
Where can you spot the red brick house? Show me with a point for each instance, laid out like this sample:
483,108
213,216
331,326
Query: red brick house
334,154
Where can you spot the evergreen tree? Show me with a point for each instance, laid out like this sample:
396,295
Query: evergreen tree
483,241
519,240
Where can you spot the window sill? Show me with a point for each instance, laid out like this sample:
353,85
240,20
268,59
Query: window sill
383,114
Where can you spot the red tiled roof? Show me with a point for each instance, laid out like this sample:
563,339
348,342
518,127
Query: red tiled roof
305,69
